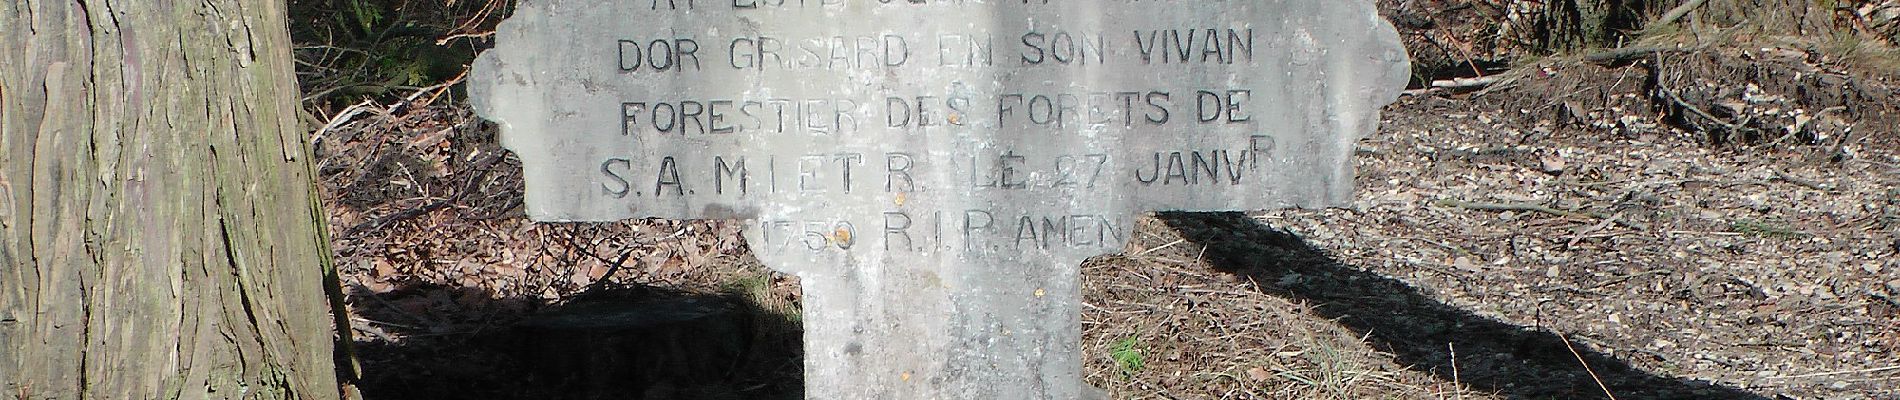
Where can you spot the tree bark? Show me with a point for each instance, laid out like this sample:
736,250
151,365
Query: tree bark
159,232
1772,17
1584,24
1593,22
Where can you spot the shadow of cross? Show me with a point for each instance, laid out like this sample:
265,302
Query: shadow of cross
1517,361
935,172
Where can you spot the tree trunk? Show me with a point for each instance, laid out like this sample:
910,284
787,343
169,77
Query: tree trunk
159,232
1593,22
1549,26
1772,17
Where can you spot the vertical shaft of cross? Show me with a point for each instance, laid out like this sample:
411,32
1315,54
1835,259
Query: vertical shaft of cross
940,324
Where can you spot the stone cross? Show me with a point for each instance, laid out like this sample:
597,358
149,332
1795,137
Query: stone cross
934,171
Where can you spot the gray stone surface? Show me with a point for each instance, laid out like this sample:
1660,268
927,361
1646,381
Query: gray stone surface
935,171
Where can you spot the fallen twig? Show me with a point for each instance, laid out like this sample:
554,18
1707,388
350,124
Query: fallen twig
387,323
474,180
1623,54
1705,233
433,91
481,16
1673,14
340,119
1671,95
1157,248
1848,372
1151,387
1626,278
1578,237
1542,209
1586,365
1801,182
1466,83
604,278
477,35
1454,370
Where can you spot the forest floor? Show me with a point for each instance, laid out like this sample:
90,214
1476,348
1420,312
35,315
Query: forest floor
1715,223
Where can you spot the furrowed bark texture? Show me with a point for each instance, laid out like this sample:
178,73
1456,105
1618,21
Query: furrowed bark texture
1552,25
1593,21
159,234
1773,17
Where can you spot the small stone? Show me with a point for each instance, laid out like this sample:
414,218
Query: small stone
1259,374
1551,163
1465,263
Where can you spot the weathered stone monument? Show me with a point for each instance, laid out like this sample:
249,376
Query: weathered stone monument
935,170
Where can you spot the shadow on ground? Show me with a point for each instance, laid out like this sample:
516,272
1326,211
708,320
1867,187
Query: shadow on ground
651,344
1518,362
620,343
